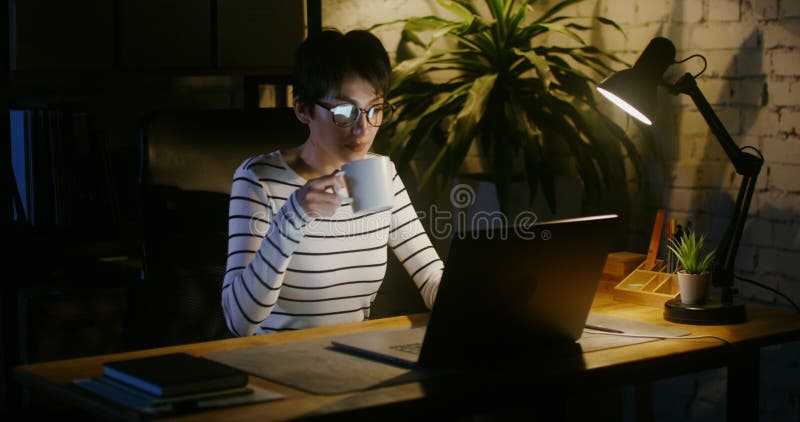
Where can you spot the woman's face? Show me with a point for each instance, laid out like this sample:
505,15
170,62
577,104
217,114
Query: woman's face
344,144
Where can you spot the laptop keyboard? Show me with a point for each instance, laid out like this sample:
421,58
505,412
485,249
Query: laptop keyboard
410,348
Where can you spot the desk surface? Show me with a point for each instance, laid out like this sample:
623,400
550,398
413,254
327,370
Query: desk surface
620,366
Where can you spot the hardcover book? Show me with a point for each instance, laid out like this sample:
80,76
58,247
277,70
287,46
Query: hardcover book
175,374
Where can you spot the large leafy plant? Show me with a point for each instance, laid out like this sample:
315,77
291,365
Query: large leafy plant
493,78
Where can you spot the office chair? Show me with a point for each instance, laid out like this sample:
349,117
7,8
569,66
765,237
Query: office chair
187,163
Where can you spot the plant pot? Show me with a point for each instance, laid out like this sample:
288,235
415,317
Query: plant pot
693,287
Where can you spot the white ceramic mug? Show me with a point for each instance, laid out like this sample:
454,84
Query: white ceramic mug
369,184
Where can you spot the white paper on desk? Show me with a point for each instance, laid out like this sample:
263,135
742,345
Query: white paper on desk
591,342
316,367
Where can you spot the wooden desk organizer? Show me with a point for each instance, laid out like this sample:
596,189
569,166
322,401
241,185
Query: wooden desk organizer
650,287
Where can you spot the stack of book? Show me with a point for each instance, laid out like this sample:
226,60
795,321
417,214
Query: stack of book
173,382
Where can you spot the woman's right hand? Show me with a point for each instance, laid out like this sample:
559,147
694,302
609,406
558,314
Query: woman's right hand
317,196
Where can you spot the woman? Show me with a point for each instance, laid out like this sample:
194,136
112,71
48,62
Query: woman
297,256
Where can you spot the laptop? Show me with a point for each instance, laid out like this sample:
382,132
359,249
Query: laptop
506,293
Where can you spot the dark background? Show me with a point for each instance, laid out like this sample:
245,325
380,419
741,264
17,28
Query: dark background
81,80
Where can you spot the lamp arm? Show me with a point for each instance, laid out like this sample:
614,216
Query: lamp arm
747,165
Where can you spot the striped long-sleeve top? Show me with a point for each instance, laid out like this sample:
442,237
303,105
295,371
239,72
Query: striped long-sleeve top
286,270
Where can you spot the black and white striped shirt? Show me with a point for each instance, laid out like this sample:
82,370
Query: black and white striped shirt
287,270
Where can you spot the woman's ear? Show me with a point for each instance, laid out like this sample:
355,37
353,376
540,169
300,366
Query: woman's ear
301,111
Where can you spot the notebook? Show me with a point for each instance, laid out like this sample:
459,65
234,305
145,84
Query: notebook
174,374
506,293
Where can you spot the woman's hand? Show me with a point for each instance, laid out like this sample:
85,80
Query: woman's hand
317,196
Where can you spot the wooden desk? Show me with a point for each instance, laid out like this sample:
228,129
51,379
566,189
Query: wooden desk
601,370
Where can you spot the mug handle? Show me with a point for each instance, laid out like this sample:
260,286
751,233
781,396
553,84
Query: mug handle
346,200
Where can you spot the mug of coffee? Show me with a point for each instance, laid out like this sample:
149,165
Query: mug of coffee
369,184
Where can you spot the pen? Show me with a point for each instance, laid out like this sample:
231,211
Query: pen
606,329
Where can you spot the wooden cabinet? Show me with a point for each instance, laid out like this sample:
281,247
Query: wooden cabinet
197,36
48,34
165,34
250,34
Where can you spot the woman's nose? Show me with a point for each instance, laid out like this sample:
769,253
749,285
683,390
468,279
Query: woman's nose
360,125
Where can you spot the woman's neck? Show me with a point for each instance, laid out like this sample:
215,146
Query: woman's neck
309,162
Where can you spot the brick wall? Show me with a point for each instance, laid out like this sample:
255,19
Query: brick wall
753,83
753,53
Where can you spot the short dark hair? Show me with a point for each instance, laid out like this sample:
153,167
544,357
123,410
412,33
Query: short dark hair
324,59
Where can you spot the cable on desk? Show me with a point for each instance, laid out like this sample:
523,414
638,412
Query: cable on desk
589,330
763,286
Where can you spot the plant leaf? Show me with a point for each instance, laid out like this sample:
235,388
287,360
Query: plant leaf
462,130
555,9
609,22
461,9
538,62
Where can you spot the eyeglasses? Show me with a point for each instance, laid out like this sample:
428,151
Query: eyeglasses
346,114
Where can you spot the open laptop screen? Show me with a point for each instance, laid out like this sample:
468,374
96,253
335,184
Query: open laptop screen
517,289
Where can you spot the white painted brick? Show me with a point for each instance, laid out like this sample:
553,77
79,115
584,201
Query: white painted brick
723,10
779,261
639,37
760,294
780,35
789,9
751,62
623,12
790,123
728,180
787,236
731,119
681,217
653,11
758,232
778,150
713,154
783,93
720,63
684,174
764,9
719,224
785,177
790,286
716,91
687,11
607,38
785,62
723,36
692,123
681,147
748,92
679,34
722,204
779,206
746,258
701,222
760,122
587,9
689,200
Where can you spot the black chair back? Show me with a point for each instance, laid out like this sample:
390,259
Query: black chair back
187,165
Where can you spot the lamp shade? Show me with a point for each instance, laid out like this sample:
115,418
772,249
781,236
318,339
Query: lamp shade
634,90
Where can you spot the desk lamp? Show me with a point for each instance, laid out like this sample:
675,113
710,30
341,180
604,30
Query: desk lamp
634,90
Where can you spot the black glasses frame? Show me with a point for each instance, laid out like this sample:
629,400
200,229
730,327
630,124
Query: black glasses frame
360,111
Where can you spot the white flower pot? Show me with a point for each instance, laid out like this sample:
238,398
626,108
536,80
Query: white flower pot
693,287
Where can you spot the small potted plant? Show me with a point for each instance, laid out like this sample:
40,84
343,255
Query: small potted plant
694,275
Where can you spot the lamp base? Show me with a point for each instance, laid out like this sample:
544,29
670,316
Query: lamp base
712,312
